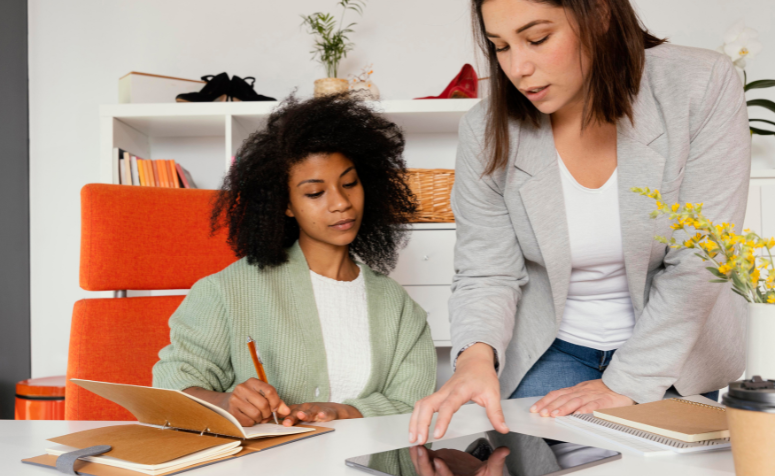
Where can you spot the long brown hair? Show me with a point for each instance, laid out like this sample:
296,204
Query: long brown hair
617,56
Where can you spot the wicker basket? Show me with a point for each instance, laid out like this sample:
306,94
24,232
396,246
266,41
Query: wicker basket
326,86
432,188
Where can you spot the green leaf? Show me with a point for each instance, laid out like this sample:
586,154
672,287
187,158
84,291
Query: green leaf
762,120
761,84
765,103
761,132
747,298
737,281
716,272
718,281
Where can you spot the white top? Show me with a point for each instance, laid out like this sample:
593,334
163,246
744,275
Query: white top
344,318
598,312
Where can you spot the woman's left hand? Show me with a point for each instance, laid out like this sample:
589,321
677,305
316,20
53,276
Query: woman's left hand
320,411
585,397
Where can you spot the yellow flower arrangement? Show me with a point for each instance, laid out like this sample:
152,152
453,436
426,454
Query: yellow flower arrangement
735,258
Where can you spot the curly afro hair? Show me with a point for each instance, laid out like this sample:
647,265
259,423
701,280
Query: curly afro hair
255,195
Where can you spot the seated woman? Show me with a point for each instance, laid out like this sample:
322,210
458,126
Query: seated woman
319,186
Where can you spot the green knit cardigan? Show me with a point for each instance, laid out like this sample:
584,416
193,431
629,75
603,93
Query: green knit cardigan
276,307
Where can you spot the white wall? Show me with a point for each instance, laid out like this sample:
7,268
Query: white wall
79,49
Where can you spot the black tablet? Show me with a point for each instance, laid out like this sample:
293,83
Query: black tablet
513,454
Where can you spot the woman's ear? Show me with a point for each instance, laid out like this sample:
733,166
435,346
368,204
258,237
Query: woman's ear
289,212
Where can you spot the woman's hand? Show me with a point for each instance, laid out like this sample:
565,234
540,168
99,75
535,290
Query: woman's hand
320,411
585,397
474,379
447,462
251,402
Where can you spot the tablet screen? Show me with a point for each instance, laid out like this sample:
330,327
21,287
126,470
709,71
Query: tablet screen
492,453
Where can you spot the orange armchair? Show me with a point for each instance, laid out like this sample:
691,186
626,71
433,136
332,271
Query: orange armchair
138,238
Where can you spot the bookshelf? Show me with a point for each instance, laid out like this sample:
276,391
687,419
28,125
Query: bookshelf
203,137
195,134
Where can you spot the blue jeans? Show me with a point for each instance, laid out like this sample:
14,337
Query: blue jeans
565,365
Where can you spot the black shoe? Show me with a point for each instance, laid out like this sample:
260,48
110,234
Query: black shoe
242,91
216,89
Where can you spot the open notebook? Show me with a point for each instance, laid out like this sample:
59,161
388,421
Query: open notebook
179,410
177,432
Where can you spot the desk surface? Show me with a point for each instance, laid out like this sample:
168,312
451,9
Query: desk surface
325,455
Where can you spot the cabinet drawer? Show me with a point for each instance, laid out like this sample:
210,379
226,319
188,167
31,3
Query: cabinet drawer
434,300
427,259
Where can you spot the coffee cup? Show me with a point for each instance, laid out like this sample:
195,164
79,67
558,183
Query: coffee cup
751,419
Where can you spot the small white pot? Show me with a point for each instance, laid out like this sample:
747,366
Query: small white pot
760,335
367,89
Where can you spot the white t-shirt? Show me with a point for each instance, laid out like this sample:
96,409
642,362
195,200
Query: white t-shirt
598,312
344,319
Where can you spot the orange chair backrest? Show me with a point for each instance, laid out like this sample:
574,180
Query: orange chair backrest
136,238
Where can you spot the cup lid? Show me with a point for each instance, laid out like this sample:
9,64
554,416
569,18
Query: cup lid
756,394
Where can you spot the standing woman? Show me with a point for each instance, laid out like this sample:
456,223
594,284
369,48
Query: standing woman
560,289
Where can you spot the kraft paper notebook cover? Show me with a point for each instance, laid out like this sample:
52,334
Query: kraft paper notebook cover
186,433
674,418
179,410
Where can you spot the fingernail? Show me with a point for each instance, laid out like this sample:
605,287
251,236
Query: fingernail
411,437
420,451
533,409
554,413
437,433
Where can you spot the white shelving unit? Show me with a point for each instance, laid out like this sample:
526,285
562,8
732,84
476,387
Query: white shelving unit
204,137
195,134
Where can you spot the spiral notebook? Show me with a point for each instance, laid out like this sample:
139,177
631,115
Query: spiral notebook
675,418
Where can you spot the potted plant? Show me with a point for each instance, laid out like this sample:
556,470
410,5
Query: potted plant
744,260
332,44
741,44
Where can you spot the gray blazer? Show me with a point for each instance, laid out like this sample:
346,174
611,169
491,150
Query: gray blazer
690,140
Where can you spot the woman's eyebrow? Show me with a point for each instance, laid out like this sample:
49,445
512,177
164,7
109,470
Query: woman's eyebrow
531,25
321,181
309,181
520,29
346,170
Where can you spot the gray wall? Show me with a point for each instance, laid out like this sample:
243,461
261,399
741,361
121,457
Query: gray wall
14,203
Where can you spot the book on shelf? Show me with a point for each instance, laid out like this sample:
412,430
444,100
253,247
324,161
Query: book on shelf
165,180
127,169
156,176
175,432
185,177
173,173
133,170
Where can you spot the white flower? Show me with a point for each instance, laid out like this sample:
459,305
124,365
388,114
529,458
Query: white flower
741,43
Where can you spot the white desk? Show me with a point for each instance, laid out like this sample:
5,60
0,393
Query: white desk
324,455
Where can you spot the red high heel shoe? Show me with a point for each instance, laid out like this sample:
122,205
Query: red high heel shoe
464,86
